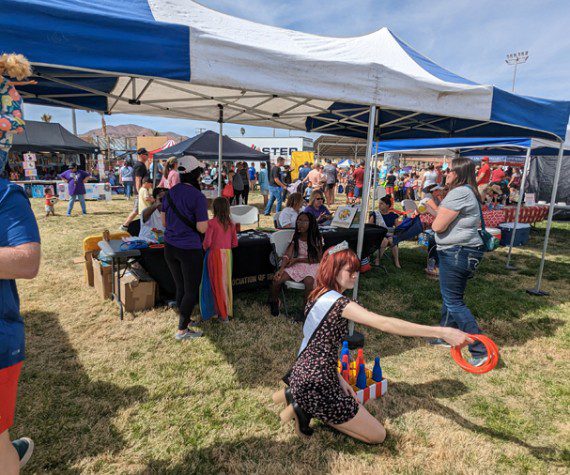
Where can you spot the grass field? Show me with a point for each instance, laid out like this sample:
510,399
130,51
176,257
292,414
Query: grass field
102,396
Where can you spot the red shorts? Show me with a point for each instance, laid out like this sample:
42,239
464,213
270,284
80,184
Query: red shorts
389,190
8,391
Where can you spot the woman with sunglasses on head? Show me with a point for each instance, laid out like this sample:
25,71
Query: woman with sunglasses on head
459,250
316,388
301,259
317,208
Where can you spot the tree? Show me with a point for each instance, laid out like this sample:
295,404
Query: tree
46,118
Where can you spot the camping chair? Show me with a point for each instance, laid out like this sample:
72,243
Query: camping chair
280,240
244,214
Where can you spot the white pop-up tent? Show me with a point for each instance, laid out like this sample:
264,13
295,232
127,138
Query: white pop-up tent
177,58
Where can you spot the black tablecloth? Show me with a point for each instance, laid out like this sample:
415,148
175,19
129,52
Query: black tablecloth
252,267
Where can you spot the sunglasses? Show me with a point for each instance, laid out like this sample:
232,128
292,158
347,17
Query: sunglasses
319,199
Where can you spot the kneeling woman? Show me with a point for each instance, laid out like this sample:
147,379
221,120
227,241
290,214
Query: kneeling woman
316,388
301,259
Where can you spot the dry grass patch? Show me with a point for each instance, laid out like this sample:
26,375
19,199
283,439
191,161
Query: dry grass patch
103,396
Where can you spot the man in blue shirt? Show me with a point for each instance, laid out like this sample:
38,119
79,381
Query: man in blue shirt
75,186
304,171
19,259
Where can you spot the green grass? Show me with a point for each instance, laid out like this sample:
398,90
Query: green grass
102,396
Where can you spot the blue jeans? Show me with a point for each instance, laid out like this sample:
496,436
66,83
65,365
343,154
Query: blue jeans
456,266
274,194
73,199
128,188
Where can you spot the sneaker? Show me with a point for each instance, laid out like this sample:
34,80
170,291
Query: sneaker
274,306
478,360
25,448
124,228
188,335
439,342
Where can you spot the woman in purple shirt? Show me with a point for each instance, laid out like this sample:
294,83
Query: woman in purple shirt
75,187
318,209
185,218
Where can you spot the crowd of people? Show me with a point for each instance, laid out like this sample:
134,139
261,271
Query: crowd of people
198,253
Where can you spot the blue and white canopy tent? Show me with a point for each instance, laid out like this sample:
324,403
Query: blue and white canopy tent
177,58
495,146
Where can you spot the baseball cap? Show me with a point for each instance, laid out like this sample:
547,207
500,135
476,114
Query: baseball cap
188,163
142,151
485,159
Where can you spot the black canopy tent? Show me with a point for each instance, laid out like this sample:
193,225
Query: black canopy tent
47,137
205,146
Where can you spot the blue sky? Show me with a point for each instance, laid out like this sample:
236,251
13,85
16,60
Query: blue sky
470,38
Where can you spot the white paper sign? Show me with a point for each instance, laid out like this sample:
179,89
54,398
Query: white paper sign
344,216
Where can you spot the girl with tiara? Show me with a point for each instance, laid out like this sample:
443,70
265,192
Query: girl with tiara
316,389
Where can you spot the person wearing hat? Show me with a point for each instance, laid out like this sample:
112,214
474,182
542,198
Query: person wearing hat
185,217
75,179
484,175
139,171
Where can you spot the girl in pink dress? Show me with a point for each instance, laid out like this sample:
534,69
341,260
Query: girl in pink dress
216,289
170,176
301,259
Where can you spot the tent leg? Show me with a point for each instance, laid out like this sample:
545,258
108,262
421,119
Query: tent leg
374,181
536,290
356,339
518,210
221,122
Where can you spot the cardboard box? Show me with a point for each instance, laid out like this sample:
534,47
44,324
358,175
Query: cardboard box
88,269
137,295
101,278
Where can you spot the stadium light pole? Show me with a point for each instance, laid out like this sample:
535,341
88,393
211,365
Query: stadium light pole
514,59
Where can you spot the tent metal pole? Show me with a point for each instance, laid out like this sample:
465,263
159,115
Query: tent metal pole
518,210
536,290
364,202
220,143
374,181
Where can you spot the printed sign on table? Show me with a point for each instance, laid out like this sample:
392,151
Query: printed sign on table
344,216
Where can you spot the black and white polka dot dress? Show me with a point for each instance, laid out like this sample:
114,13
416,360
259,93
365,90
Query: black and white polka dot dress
313,380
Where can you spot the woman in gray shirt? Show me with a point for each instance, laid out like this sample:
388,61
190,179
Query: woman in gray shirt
460,250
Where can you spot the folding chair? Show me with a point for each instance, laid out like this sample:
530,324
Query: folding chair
280,240
244,214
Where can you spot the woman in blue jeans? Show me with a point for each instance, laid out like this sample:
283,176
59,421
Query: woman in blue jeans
459,249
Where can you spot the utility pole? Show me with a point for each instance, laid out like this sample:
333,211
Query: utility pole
514,59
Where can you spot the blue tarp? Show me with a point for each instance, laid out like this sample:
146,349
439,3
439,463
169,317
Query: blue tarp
480,146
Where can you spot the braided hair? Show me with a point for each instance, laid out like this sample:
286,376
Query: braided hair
314,240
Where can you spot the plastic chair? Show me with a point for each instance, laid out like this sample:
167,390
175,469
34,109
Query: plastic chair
409,205
280,241
244,214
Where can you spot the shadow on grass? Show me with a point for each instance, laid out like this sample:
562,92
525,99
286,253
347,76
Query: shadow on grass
67,413
406,398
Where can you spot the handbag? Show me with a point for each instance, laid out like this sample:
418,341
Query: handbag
490,242
228,191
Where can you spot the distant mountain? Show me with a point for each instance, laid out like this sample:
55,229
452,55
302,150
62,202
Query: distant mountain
131,130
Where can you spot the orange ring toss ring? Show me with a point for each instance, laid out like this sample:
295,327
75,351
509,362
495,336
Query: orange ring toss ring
492,353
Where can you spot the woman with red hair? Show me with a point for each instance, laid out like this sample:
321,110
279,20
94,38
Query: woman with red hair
316,389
